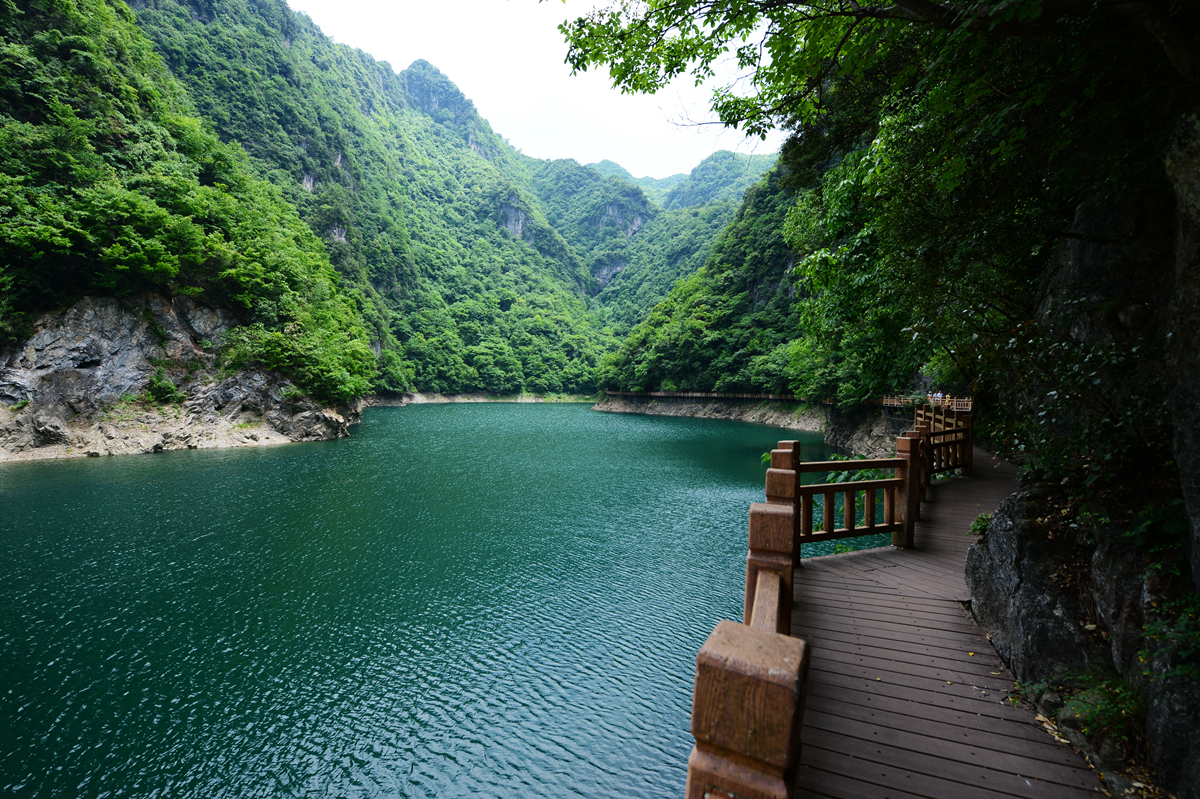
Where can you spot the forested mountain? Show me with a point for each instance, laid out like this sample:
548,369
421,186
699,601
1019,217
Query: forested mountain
461,263
471,263
721,176
111,184
656,188
731,325
423,209
677,241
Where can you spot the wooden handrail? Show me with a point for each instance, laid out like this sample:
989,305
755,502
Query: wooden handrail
768,602
854,486
849,466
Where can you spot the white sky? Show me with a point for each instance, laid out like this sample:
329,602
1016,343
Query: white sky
507,56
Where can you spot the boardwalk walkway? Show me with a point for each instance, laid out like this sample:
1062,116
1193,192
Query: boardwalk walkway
905,694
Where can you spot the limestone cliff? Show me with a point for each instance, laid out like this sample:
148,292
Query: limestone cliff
72,388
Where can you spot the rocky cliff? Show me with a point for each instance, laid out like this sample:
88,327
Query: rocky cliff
1100,617
114,376
1072,623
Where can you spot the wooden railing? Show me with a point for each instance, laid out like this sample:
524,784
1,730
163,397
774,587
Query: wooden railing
963,404
749,693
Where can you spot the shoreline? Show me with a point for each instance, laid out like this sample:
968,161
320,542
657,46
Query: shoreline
419,398
863,433
134,427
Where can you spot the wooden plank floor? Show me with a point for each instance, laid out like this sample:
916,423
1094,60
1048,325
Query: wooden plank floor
906,697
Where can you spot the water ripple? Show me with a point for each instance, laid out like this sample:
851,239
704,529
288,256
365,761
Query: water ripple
495,600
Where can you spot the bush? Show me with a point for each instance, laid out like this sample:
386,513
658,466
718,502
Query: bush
161,389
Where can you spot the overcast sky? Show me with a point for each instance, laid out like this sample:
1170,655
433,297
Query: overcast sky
507,56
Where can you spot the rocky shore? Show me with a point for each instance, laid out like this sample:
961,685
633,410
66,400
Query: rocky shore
866,433
79,386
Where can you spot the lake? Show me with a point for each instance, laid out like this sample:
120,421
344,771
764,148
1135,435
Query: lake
499,600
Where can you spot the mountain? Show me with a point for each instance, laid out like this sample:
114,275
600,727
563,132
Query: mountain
423,209
111,184
677,241
450,261
722,176
479,267
730,325
655,188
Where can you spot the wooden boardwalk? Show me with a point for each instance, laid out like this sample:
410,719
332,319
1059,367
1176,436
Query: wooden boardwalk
906,697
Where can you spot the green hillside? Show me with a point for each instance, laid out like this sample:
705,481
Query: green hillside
678,240
730,325
723,176
464,265
655,188
110,184
423,209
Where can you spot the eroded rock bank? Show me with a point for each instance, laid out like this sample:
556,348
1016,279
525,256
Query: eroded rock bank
1089,617
79,386
867,433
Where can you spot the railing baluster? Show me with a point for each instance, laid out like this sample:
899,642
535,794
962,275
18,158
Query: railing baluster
968,446
869,510
849,506
828,503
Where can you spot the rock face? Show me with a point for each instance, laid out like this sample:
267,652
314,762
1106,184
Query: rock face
1019,578
865,432
1136,268
69,389
1183,169
1036,629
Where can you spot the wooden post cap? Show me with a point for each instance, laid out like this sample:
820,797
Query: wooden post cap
784,458
781,484
748,695
771,527
905,446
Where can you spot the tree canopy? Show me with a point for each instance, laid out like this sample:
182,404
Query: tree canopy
788,50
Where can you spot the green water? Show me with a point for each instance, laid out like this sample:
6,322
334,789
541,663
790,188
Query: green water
462,600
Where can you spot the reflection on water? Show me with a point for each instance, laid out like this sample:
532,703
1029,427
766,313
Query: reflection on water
500,600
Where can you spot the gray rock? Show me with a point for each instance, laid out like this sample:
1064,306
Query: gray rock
1036,629
1173,730
87,357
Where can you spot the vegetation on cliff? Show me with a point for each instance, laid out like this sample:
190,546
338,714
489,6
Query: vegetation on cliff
473,266
110,184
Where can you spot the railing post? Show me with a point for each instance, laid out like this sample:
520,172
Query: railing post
910,450
968,445
773,534
747,708
787,455
926,459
